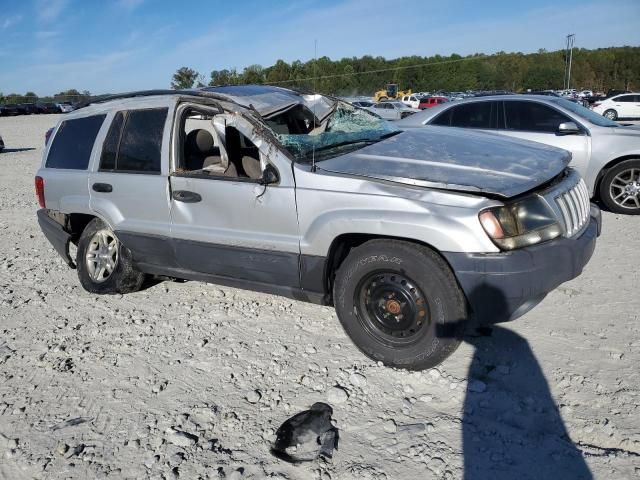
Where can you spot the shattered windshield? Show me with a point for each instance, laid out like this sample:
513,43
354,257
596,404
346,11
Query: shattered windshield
346,129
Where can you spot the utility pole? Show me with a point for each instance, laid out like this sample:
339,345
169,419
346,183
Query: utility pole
568,59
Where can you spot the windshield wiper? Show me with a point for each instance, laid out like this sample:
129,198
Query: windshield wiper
368,141
342,144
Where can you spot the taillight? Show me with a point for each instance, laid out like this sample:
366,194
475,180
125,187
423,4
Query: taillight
40,192
47,136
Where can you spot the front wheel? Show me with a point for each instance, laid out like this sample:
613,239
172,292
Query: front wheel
400,304
620,188
611,114
104,264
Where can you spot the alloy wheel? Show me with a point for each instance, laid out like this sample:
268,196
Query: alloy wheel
625,188
102,255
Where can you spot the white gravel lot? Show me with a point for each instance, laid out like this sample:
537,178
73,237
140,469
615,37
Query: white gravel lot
103,387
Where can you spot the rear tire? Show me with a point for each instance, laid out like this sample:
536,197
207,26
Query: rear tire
620,188
104,264
400,304
611,114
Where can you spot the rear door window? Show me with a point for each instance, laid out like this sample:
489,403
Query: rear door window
134,141
73,142
532,117
444,119
474,115
111,143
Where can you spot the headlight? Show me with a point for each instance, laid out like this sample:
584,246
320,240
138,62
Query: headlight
521,223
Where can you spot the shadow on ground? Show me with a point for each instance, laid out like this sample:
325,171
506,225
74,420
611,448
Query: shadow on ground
511,426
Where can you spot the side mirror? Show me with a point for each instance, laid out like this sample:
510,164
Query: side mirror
269,175
568,128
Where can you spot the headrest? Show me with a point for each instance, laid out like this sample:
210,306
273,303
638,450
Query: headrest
199,141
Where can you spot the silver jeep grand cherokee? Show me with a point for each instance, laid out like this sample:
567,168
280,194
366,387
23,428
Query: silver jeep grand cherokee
408,234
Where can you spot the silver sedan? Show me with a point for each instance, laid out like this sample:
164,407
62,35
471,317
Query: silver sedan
605,153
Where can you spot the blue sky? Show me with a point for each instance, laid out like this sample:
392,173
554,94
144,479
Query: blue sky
120,45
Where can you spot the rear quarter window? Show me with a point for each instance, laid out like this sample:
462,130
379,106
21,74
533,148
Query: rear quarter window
73,142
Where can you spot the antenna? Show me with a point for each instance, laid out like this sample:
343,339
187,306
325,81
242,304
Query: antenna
315,76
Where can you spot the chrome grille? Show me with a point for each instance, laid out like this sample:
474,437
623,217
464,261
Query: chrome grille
575,207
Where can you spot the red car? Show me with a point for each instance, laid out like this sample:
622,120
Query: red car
429,102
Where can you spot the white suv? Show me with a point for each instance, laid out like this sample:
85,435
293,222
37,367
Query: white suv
412,101
626,105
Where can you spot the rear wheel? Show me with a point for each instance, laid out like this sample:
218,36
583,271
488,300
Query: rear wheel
400,304
611,114
104,264
620,188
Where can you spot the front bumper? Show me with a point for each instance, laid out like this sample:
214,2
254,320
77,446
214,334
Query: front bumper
504,286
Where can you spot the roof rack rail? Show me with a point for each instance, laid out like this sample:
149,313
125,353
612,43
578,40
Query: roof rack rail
146,93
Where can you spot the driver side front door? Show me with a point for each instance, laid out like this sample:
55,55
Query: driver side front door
234,228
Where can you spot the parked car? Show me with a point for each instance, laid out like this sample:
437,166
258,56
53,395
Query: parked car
605,153
362,104
408,234
28,108
1,144
626,105
65,107
10,110
411,101
48,108
4,111
430,102
392,110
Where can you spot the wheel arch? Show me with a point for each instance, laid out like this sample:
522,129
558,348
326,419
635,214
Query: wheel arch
612,163
344,243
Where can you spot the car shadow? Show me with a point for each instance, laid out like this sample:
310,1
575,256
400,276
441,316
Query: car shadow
511,425
16,150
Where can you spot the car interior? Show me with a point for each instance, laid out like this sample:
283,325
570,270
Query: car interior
211,147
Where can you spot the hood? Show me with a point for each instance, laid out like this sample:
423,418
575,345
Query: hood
455,159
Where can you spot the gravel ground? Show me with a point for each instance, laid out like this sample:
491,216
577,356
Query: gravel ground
189,380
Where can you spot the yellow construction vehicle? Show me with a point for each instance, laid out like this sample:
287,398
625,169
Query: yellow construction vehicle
391,93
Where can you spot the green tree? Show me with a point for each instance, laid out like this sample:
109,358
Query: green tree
599,69
184,77
252,74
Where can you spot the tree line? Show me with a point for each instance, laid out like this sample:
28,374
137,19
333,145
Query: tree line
597,69
71,95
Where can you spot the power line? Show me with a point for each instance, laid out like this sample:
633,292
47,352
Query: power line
391,69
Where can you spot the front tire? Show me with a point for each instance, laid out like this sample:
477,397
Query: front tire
620,188
610,114
104,264
400,304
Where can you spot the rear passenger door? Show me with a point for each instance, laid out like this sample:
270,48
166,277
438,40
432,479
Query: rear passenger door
129,186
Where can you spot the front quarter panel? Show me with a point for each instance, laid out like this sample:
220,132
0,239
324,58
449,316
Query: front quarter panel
334,205
609,144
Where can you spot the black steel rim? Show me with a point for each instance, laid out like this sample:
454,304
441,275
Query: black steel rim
391,307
